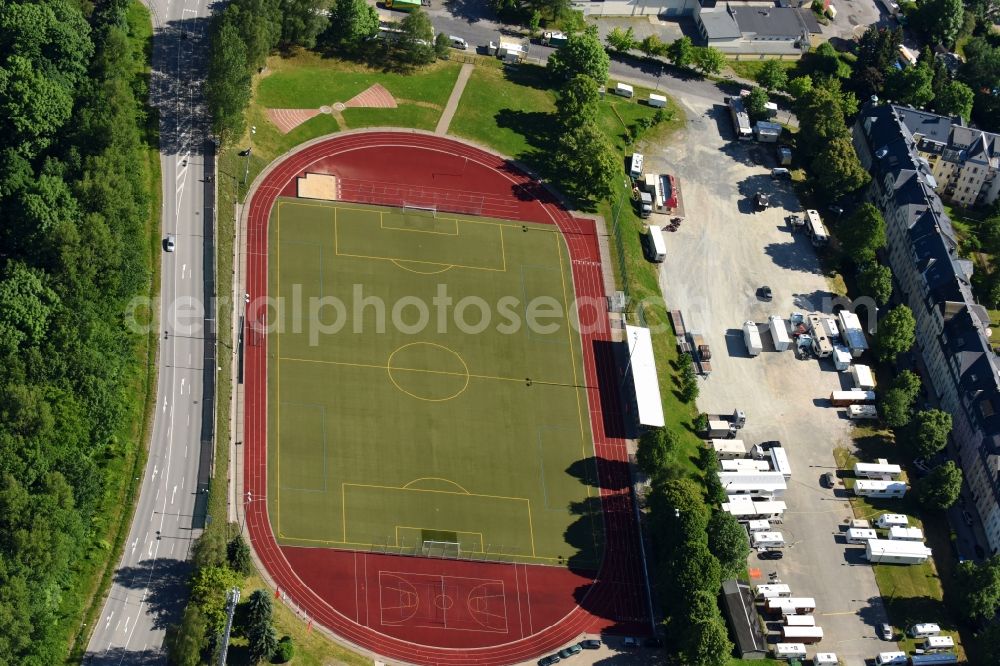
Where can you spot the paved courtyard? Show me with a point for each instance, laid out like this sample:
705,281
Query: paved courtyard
715,263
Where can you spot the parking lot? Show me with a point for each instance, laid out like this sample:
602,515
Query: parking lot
721,255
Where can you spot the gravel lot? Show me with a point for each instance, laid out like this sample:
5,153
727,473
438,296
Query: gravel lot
722,253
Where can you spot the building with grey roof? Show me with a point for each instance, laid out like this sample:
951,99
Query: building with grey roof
754,28
964,162
955,357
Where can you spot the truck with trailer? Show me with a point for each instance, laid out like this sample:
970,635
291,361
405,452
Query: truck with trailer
701,353
740,118
726,425
508,50
751,336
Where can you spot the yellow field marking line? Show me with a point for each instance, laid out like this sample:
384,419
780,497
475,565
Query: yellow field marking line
438,478
447,267
381,224
482,542
374,366
469,220
343,495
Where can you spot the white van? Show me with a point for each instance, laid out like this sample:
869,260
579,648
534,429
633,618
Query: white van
624,90
458,43
890,658
924,630
656,246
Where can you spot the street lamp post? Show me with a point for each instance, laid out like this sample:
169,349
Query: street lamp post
244,523
246,153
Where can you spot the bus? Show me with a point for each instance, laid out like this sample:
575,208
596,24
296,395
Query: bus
402,5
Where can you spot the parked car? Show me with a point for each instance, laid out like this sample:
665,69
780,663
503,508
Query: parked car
631,642
590,644
770,555
568,652
885,632
764,293
829,479
761,201
967,517
549,660
169,243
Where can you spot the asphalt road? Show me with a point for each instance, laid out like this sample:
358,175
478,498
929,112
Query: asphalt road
149,588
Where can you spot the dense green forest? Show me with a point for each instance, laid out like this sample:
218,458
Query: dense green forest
75,249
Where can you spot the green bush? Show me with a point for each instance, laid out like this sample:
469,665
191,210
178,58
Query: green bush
285,651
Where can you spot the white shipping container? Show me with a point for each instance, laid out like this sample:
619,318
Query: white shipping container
863,377
624,89
802,634
779,461
800,620
657,245
658,101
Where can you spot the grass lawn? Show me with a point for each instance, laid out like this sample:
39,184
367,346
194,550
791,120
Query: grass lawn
912,593
748,69
449,466
312,648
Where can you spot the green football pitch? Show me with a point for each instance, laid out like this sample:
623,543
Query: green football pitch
407,412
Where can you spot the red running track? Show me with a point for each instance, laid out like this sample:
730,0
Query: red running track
434,611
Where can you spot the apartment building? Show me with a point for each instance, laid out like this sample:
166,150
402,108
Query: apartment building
964,162
957,362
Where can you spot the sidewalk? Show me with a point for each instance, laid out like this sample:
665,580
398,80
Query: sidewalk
456,95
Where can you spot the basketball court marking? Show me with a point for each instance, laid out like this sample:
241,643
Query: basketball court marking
424,601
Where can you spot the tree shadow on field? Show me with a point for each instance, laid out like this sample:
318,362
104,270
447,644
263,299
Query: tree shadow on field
536,127
601,473
529,76
611,361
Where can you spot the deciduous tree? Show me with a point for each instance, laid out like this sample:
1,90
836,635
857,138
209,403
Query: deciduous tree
756,103
941,487
896,403
896,333
911,85
940,20
302,22
656,446
862,234
875,280
708,59
837,168
586,155
727,540
415,45
621,41
581,54
352,22
577,102
652,45
227,87
929,432
800,86
772,75
681,51
954,99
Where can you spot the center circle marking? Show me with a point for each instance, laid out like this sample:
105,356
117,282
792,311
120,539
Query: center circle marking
397,372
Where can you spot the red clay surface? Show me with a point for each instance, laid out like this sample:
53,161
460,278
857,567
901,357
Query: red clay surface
288,119
435,611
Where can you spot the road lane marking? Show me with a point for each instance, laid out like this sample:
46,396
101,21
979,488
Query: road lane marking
106,624
134,544
126,624
173,494
149,552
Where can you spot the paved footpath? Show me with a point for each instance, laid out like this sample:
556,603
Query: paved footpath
456,94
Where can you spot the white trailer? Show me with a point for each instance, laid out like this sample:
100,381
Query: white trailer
887,520
858,412
800,620
768,540
906,533
845,398
863,377
758,526
624,90
775,591
924,629
860,535
816,229
657,246
822,345
766,485
779,333
841,358
826,659
751,336
635,165
852,334
779,461
878,488
747,508
789,651
807,635
728,449
745,465
657,101
895,657
791,605
938,643
888,551
880,469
